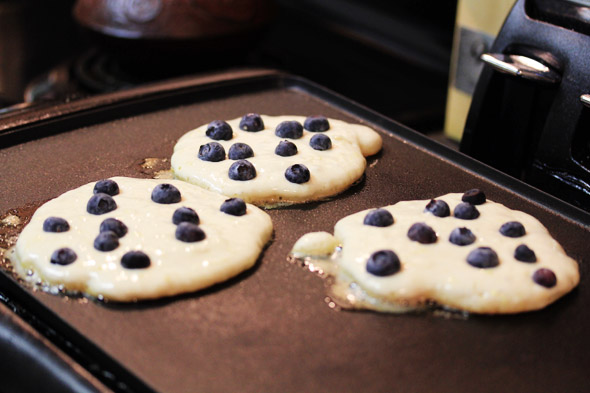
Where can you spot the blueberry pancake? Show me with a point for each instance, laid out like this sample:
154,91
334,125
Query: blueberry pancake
459,251
126,239
269,160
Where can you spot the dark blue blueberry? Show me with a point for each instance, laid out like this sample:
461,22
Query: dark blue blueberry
185,214
545,278
240,151
107,186
219,131
251,122
211,151
422,233
286,149
320,142
189,232
466,211
316,123
474,196
462,237
297,173
242,170
383,263
106,241
289,129
113,225
234,206
512,229
55,224
524,254
438,207
166,194
378,218
63,256
483,257
135,260
100,204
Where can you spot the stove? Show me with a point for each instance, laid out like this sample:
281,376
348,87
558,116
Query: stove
393,58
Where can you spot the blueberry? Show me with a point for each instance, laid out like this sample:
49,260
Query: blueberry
545,277
289,129
466,211
286,149
166,194
524,254
438,207
185,214
113,225
219,131
211,151
106,241
55,224
474,196
378,218
422,233
135,260
233,206
63,256
320,142
100,204
297,173
483,257
512,229
251,122
316,123
107,186
242,170
240,151
383,263
462,237
189,232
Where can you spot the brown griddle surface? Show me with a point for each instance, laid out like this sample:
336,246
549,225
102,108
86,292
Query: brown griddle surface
270,329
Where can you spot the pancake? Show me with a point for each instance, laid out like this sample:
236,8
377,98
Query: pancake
128,239
455,251
269,161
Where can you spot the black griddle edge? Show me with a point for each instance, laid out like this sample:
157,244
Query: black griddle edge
53,119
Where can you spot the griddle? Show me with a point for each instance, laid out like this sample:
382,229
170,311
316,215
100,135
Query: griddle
271,329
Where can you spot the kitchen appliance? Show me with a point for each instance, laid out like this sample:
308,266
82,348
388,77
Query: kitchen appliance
271,328
530,114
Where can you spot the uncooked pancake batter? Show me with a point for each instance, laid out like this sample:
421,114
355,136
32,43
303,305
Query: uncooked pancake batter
482,258
126,239
269,160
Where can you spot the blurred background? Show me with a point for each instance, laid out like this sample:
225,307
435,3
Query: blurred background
392,56
415,61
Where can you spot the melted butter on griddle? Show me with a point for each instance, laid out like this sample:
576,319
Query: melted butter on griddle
156,168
